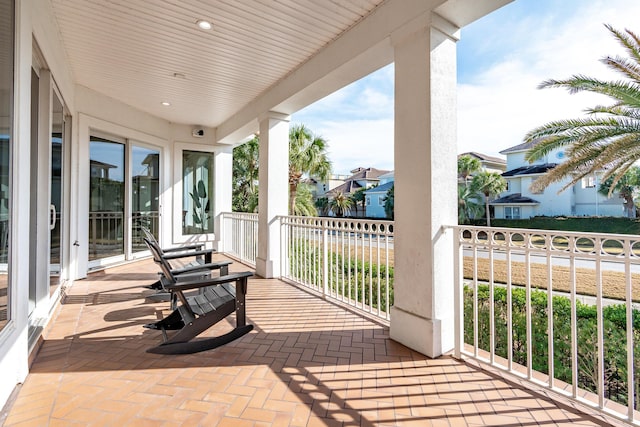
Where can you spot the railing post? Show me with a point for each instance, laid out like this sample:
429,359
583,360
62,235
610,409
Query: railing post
241,235
458,303
325,259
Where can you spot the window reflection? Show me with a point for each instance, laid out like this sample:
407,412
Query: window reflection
106,199
6,119
145,189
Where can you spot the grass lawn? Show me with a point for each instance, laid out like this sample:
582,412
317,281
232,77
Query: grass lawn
613,282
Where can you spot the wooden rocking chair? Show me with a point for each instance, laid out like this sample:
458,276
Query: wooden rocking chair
218,297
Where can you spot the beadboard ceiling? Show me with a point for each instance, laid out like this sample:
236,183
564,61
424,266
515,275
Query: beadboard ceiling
144,52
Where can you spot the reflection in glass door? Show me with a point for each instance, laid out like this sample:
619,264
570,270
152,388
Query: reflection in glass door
6,120
106,199
55,207
145,191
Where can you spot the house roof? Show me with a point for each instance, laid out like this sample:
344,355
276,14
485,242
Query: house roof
346,188
530,170
380,188
351,184
367,173
521,147
484,157
513,199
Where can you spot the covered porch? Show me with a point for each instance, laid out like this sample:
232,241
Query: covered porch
308,362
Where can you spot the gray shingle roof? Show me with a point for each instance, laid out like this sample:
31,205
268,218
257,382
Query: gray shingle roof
521,147
530,170
484,157
515,198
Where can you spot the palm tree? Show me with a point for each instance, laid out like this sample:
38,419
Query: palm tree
322,205
359,197
489,184
389,203
307,155
467,198
627,187
304,202
608,139
340,204
245,176
469,205
467,166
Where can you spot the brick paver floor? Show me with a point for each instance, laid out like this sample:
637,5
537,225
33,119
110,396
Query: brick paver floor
307,363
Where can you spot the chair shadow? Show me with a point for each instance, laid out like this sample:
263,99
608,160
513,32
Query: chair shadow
322,381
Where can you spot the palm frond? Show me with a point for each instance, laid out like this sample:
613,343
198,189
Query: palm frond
628,39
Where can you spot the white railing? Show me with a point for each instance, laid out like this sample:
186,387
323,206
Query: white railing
345,259
241,236
505,321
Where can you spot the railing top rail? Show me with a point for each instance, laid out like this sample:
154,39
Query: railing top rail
369,226
562,233
246,215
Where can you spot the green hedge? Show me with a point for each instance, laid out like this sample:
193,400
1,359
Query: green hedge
615,339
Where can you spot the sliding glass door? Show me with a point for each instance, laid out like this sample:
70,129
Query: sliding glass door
106,198
124,198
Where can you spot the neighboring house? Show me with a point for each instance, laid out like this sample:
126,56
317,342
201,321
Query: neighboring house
360,178
375,197
488,163
320,188
519,201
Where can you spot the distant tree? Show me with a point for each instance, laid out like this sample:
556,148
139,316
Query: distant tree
322,205
389,203
469,204
307,156
627,186
468,197
359,197
608,139
245,176
489,184
340,204
304,205
467,166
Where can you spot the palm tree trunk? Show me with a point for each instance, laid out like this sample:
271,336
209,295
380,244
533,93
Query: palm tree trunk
486,202
293,190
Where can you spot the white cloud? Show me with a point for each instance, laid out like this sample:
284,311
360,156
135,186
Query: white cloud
499,104
359,143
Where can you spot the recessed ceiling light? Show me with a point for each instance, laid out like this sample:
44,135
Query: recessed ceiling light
204,25
165,103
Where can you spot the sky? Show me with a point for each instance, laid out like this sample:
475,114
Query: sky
502,58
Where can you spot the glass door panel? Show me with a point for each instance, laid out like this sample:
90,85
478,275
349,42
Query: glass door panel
145,190
106,199
55,208
6,120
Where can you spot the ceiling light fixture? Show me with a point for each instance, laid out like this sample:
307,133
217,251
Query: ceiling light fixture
165,103
204,25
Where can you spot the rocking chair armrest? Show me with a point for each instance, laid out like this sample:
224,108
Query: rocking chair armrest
201,267
188,254
196,246
203,283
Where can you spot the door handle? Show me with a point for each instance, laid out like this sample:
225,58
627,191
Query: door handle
52,213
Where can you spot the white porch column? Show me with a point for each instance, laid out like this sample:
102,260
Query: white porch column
422,317
273,198
223,193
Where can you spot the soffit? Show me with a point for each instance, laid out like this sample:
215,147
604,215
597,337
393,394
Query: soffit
131,50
